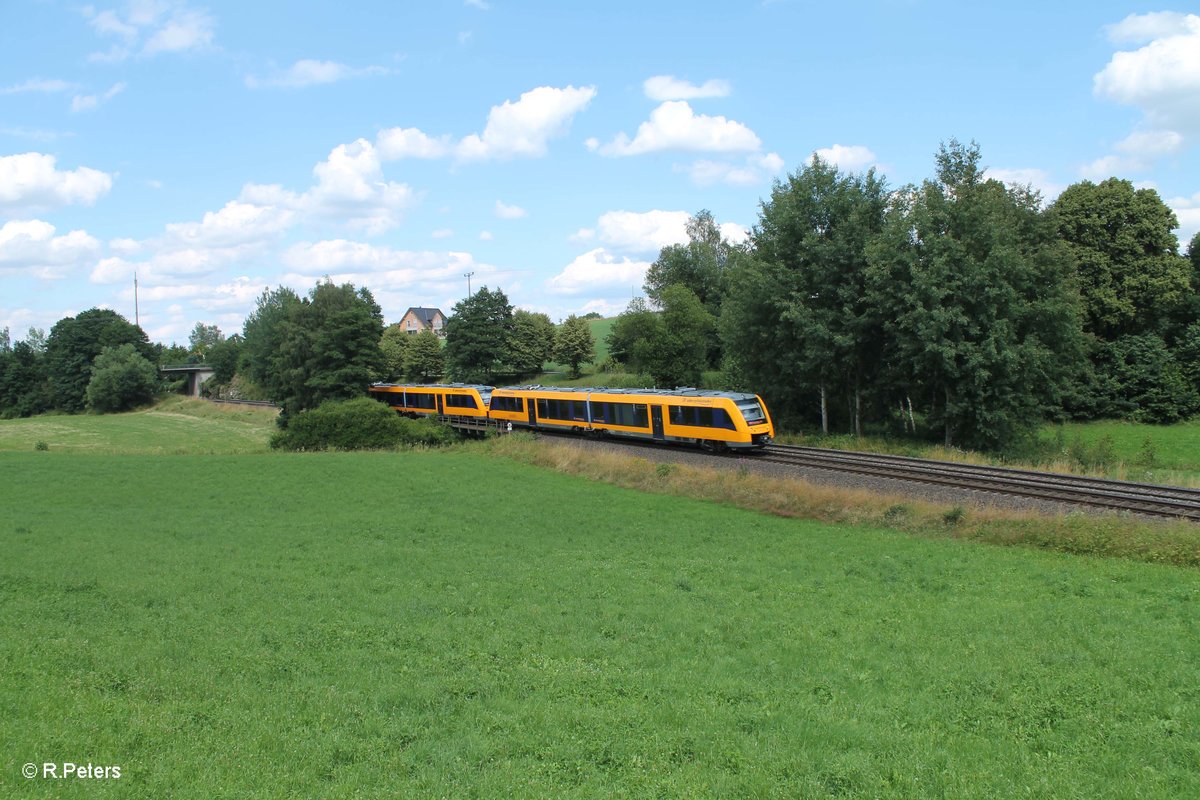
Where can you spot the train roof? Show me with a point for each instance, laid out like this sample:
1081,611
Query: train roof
478,386
682,391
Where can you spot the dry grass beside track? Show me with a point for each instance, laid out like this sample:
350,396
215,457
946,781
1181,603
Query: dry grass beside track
1108,535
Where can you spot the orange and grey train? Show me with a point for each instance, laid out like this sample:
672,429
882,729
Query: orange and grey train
711,419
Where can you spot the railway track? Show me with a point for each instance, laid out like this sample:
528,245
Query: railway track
1139,498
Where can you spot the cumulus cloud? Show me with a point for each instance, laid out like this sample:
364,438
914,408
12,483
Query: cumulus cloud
309,72
349,189
396,143
668,87
755,169
596,269
1187,211
150,28
1161,77
523,128
31,247
505,211
674,126
850,158
514,129
1028,176
32,182
647,232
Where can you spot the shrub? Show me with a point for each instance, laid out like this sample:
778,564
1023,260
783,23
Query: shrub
122,378
359,424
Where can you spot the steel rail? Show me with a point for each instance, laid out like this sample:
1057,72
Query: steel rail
1164,501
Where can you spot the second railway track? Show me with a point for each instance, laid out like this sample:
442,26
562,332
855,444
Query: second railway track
1160,501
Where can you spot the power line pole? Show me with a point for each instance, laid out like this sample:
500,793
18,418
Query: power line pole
136,318
468,275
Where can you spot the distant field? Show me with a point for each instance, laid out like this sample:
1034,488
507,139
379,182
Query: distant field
440,624
176,425
600,329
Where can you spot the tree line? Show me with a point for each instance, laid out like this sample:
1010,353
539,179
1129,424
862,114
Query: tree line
961,306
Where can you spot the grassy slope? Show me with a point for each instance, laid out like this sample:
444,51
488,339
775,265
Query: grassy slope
337,625
176,425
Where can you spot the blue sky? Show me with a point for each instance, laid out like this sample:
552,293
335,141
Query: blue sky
549,148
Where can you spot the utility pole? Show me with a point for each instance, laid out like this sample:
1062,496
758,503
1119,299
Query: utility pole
136,319
468,275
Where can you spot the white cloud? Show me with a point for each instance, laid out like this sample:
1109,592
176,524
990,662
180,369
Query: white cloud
674,126
482,5
90,102
1142,28
308,72
1109,166
598,268
38,85
641,232
755,169
159,26
668,87
187,29
30,247
1162,77
514,129
523,128
1028,176
395,143
849,158
30,181
238,223
1187,211
1150,143
485,236
442,233
647,232
505,211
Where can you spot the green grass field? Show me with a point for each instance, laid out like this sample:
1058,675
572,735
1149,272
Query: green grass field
440,624
175,426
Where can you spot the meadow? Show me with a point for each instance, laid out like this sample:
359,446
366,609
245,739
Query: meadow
443,624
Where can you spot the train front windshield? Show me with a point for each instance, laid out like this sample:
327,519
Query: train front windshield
752,411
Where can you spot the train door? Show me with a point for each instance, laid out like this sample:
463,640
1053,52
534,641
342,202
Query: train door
656,422
529,404
439,403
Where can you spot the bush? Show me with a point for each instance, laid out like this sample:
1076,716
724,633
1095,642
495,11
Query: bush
359,424
122,379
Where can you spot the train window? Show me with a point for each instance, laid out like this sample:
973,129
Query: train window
752,411
516,404
700,417
461,401
631,415
421,401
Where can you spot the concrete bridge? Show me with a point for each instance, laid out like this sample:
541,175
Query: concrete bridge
197,374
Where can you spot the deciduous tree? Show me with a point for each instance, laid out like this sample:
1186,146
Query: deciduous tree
73,345
122,378
477,336
573,343
424,360
531,344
